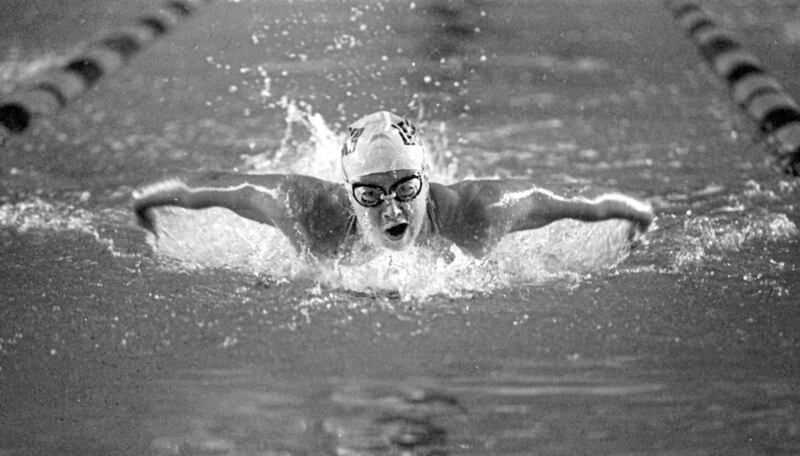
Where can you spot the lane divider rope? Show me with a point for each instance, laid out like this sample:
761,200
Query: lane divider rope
55,88
752,88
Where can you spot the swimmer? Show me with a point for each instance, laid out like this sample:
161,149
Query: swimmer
386,202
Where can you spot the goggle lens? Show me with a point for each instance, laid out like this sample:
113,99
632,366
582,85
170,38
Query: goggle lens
368,196
406,189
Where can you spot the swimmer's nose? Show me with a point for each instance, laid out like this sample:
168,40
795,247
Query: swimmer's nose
391,210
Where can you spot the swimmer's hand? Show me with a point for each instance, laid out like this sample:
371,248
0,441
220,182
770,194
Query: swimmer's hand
645,220
145,219
164,193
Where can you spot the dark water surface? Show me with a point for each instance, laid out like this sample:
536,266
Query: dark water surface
215,339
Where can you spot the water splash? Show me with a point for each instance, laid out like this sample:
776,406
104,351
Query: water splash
563,250
36,215
704,238
309,146
724,220
216,238
566,249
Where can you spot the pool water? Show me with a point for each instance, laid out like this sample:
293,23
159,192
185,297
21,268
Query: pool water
216,338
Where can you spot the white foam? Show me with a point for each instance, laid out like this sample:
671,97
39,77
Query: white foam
708,236
37,215
217,238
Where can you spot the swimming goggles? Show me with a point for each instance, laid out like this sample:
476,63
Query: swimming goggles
371,195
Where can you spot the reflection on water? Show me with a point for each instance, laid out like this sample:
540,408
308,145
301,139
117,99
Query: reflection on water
384,419
519,410
247,413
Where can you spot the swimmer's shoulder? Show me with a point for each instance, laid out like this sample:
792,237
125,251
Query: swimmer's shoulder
319,211
464,215
316,197
294,193
472,197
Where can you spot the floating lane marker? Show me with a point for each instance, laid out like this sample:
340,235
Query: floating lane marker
752,87
55,88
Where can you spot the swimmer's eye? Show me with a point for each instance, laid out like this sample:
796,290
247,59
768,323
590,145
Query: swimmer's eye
367,196
408,190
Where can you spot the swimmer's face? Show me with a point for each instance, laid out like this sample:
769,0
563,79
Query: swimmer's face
390,206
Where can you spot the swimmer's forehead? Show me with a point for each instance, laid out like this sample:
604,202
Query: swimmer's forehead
385,178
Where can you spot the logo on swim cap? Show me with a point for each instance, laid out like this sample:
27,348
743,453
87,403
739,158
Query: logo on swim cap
352,139
381,142
408,132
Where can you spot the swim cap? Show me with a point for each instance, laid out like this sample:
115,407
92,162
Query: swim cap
381,142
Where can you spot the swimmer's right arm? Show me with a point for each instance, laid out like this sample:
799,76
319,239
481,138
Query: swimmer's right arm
256,197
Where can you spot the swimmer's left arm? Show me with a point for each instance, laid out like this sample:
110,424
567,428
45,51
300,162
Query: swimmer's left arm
477,214
532,207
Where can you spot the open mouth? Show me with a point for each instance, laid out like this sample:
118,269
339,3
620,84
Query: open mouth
397,231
